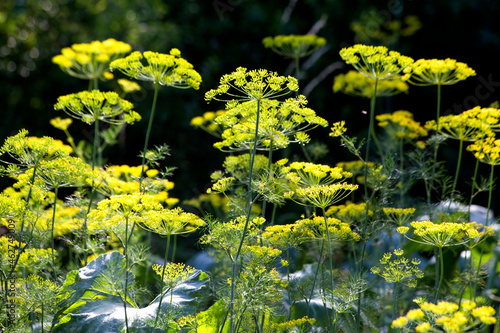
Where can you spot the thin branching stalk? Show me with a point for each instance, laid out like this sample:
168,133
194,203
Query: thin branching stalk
472,188
162,277
441,274
245,228
52,230
436,146
125,250
365,222
330,259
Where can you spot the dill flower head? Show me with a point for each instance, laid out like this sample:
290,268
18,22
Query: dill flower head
253,85
294,46
174,274
470,125
90,60
30,151
164,69
375,62
280,124
349,213
61,124
356,84
447,317
400,125
398,270
426,72
89,106
339,231
445,234
206,122
486,150
321,196
288,235
399,215
168,222
304,174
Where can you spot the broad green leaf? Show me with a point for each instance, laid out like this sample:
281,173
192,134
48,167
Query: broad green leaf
91,299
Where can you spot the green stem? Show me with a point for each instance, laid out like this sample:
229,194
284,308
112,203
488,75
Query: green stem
315,275
459,161
143,163
52,231
441,266
249,210
162,276
148,132
401,166
330,259
472,187
365,222
126,273
489,196
395,301
436,146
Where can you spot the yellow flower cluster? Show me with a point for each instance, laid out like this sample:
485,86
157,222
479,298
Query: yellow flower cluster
350,212
305,174
294,46
447,233
124,179
61,124
339,231
424,72
31,258
164,69
401,125
252,85
399,270
470,125
399,215
168,222
287,235
375,62
173,274
89,106
280,123
206,123
486,150
447,316
354,83
91,60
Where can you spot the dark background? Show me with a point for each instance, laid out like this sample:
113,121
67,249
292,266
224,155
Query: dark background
217,37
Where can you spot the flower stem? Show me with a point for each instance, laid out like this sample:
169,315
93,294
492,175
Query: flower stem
126,273
472,187
162,276
441,268
365,222
459,161
249,210
148,132
436,146
52,230
330,259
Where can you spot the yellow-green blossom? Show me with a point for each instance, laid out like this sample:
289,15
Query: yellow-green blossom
444,234
375,62
294,46
398,270
470,125
89,106
400,125
447,317
207,123
425,72
91,60
173,274
486,150
399,215
304,174
164,69
349,213
279,124
339,231
168,222
356,84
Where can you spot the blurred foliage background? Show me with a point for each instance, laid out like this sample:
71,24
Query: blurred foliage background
217,37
